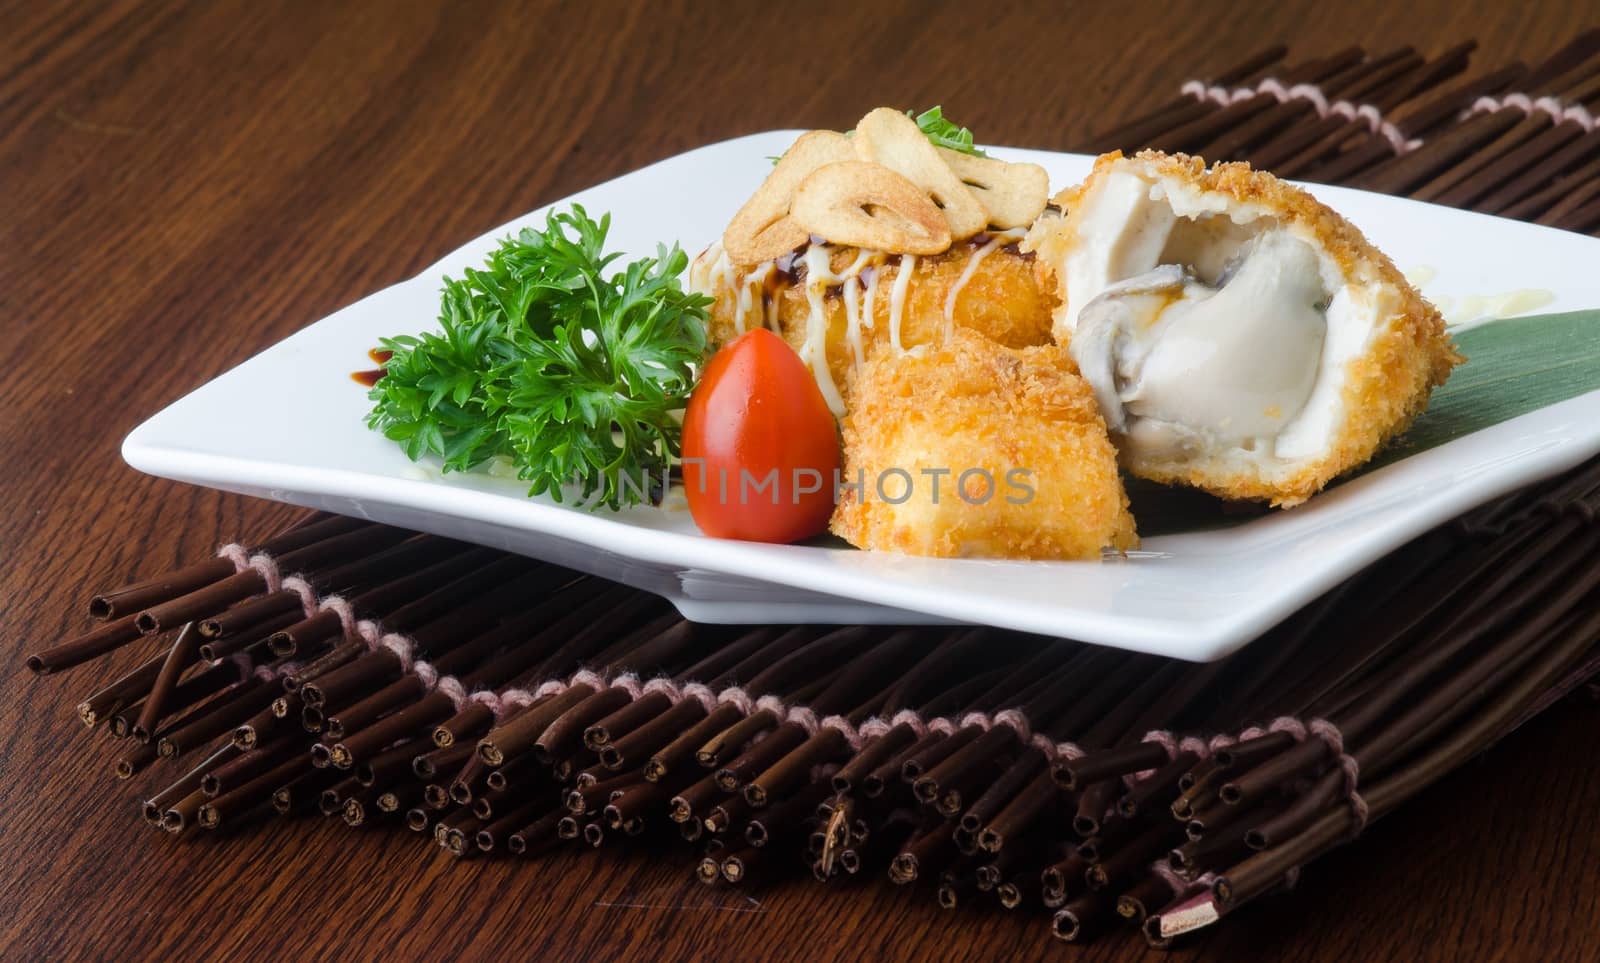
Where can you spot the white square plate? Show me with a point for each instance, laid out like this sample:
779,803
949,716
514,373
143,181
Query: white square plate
289,425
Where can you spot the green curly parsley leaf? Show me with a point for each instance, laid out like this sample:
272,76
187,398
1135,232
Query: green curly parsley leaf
574,375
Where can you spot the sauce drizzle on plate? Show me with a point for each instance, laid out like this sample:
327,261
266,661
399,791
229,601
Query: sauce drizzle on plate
370,377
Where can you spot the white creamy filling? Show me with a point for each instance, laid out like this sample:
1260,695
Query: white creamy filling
1193,365
1207,329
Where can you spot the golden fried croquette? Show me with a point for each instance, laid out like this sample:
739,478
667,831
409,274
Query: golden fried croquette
1241,337
991,451
984,284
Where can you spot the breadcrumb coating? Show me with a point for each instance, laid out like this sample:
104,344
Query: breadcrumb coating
969,404
1003,298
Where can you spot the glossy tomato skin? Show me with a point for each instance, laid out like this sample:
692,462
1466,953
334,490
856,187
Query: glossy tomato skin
767,443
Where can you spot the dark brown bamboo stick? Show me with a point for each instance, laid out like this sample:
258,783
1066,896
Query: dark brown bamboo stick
786,820
794,769
494,832
757,757
236,706
302,794
1160,784
1415,120
565,733
1235,142
185,649
1350,137
249,614
1483,160
1182,109
1082,918
1584,219
399,799
1504,171
256,792
217,596
98,641
517,734
1029,805
1286,142
681,751
122,692
1261,871
1542,171
156,806
393,765
873,754
1190,136
356,745
1552,192
340,655
252,640
131,599
135,760
429,765
1574,200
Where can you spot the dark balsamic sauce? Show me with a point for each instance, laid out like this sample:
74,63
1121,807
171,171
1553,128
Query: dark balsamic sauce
370,378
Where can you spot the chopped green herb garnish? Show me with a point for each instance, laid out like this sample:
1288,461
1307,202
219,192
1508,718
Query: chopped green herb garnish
944,133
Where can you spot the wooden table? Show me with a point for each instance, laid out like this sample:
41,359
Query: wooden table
184,184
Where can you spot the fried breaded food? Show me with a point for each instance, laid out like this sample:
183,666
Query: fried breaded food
984,284
1241,336
990,452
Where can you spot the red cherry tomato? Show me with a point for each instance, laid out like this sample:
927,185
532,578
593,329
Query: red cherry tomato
760,447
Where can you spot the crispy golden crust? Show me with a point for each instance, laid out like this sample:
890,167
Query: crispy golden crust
974,404
1003,299
1385,388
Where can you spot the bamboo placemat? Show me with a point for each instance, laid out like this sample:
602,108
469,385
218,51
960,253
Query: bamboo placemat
1518,141
500,705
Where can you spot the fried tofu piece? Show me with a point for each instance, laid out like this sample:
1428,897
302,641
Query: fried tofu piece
972,449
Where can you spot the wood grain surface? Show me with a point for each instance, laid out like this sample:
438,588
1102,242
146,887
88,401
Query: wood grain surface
182,184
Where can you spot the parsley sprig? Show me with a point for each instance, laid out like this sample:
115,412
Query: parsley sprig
574,375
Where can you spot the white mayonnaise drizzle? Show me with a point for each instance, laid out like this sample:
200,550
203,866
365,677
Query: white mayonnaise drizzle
852,318
998,240
819,276
897,299
748,287
714,270
870,296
